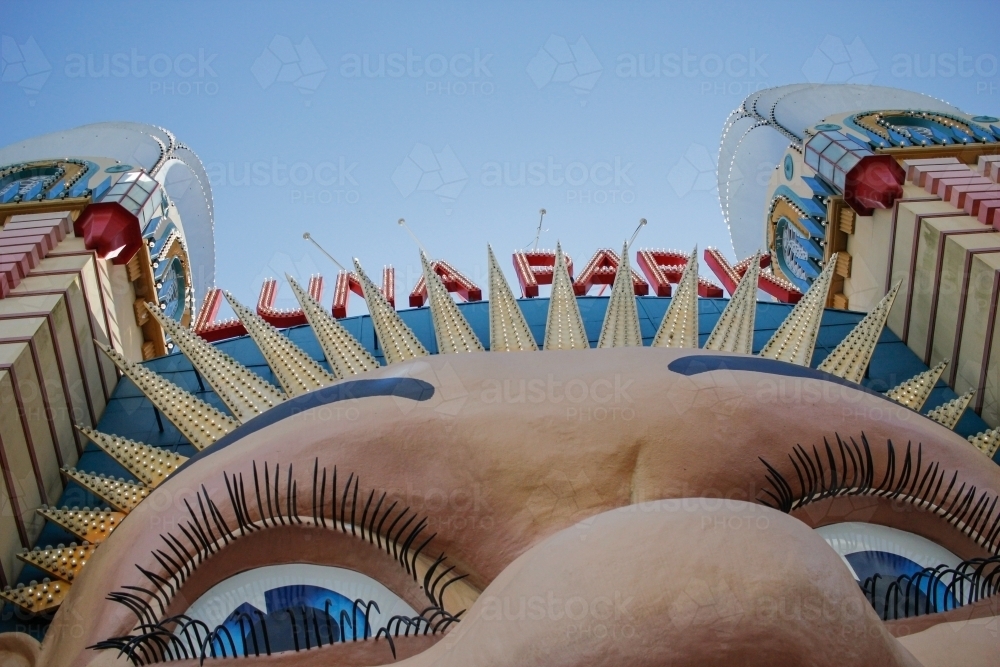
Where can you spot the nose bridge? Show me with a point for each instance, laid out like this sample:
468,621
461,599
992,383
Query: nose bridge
685,581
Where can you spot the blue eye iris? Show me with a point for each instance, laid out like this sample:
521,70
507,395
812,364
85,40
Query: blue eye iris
901,574
292,607
293,615
926,593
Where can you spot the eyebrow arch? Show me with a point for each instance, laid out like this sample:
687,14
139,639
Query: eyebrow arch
408,388
696,364
906,477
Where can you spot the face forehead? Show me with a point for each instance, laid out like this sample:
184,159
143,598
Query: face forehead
509,448
520,445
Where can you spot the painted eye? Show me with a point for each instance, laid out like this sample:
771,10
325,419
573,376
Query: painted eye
294,606
299,576
902,574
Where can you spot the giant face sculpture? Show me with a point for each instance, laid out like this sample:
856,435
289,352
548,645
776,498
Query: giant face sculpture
621,506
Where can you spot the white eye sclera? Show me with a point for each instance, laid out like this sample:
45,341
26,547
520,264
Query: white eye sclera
295,605
901,574
868,548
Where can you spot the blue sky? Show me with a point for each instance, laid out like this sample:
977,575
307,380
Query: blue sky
353,115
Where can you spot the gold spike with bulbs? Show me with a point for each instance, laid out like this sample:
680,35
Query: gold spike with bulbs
850,359
197,421
621,319
151,465
398,341
734,330
988,442
62,562
679,327
345,355
509,331
91,524
36,598
914,392
948,414
245,393
795,339
121,495
296,371
451,329
564,328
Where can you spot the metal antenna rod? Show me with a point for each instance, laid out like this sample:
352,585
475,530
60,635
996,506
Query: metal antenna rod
538,232
642,223
309,238
402,223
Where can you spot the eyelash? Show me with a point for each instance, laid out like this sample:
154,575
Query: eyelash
156,641
816,484
968,575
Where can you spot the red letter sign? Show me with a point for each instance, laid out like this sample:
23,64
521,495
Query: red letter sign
535,267
454,281
601,269
348,282
664,267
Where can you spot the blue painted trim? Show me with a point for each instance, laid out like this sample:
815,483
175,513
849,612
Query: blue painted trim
810,206
409,388
706,363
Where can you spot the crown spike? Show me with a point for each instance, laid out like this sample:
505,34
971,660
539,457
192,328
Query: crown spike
734,330
451,329
914,392
37,598
948,414
679,327
245,393
621,320
296,371
121,495
93,525
62,562
988,442
509,331
850,359
564,328
398,341
197,421
151,465
344,353
795,339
